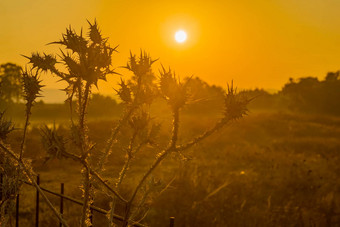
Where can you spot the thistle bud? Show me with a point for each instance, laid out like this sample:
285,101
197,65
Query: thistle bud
5,126
235,104
53,143
139,120
173,90
124,92
32,87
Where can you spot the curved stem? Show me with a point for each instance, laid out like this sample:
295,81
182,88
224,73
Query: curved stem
206,134
160,157
23,141
84,152
122,174
113,136
83,107
27,170
86,205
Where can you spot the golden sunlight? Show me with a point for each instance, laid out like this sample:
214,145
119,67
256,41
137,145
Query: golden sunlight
180,36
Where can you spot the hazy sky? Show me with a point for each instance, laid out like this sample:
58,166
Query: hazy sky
256,43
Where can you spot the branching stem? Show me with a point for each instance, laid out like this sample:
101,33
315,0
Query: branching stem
31,178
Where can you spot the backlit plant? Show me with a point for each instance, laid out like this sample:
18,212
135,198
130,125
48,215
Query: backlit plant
83,61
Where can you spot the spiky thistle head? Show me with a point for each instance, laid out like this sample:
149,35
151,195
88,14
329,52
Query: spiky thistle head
172,89
86,58
139,120
32,85
72,41
53,143
124,92
142,86
6,126
94,32
43,62
141,67
235,105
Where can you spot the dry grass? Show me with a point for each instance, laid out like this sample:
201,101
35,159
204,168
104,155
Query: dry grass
266,170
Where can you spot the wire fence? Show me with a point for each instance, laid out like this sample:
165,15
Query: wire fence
62,198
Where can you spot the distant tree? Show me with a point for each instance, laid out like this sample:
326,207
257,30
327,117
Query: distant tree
203,97
308,94
333,76
261,98
100,102
10,82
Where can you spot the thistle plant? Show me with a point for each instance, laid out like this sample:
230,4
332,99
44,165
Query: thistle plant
81,63
87,60
32,88
20,167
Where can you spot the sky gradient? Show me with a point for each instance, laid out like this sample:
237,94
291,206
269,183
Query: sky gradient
255,43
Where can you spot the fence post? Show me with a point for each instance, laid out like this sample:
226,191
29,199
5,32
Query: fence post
61,201
17,211
37,204
172,221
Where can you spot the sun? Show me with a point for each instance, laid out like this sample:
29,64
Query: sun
180,36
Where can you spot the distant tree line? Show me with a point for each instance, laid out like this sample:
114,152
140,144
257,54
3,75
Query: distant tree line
307,94
311,95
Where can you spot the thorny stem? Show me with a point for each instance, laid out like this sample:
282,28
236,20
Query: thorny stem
28,113
160,157
113,136
84,106
96,175
172,147
137,211
128,159
206,134
31,178
86,205
23,141
122,174
80,94
84,151
175,128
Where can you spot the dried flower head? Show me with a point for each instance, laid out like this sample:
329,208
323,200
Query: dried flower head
142,86
5,126
87,59
94,33
53,143
140,120
45,62
32,86
235,104
141,67
172,89
124,92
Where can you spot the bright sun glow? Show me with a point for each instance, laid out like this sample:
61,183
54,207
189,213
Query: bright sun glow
181,36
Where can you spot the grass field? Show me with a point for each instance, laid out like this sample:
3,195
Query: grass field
268,169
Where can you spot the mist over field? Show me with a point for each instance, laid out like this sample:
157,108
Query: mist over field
245,133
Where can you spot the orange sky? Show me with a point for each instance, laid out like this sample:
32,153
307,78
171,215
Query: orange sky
256,43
